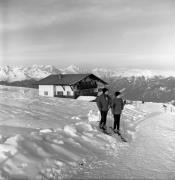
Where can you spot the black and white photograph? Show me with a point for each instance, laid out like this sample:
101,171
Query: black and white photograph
87,89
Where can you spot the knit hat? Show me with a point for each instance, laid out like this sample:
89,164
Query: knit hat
117,93
104,90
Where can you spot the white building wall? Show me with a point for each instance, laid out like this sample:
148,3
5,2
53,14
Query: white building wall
46,90
65,89
59,88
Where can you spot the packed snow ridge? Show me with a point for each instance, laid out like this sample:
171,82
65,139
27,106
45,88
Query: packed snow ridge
54,138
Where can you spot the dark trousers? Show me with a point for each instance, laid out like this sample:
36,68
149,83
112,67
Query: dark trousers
117,121
103,118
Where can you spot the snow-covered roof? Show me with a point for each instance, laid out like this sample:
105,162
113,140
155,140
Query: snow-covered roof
67,79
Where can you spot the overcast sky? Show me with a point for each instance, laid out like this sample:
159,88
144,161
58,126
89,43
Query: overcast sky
94,33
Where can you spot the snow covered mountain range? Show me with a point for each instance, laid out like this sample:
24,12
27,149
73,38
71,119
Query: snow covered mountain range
36,72
125,72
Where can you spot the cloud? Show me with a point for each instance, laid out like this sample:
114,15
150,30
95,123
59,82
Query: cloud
88,29
20,14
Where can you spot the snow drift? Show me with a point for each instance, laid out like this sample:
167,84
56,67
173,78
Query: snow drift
54,138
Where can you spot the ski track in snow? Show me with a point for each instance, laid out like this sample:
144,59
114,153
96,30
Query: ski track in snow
53,138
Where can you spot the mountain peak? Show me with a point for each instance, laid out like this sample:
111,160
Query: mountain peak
20,73
71,69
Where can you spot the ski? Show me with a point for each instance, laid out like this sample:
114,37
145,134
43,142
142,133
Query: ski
108,133
105,131
113,133
119,134
122,138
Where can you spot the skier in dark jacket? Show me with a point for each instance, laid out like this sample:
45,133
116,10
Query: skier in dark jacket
104,104
117,107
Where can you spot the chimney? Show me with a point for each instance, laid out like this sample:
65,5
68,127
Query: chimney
59,76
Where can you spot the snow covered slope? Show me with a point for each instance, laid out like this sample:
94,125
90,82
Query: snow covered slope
54,138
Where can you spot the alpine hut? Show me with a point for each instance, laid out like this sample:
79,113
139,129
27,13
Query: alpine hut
70,85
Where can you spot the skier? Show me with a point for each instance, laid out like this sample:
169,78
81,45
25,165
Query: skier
103,104
117,107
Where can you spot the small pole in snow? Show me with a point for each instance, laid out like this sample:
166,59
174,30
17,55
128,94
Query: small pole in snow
171,109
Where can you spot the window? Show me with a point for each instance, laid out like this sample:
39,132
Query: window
59,93
68,93
45,93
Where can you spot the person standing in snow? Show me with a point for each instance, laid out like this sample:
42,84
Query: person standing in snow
103,104
117,107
